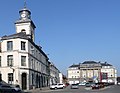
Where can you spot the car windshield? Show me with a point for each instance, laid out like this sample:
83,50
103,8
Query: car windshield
60,84
74,84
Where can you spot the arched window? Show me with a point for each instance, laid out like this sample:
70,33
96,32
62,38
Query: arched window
23,30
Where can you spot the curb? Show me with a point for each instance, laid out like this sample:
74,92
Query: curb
37,89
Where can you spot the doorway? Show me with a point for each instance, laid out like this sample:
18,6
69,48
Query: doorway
24,81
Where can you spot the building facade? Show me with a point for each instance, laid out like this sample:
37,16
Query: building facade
21,60
91,71
73,74
54,74
108,73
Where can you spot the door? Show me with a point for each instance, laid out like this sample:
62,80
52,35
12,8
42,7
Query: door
24,81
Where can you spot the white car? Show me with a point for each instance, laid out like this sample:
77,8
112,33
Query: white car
82,84
118,83
57,86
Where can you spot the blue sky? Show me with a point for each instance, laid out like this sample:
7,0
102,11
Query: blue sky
70,31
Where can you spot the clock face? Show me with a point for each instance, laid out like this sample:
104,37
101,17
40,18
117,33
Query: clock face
23,15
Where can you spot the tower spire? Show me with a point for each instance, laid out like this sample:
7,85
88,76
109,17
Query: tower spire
25,4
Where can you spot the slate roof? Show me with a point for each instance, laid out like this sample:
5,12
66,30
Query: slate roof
22,35
89,62
105,64
74,65
13,36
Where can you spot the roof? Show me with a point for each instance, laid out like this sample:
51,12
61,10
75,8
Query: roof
22,35
25,9
74,65
89,62
105,64
18,35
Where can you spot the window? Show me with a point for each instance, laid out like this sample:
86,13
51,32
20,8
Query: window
0,77
0,61
32,50
0,46
10,60
10,78
32,79
23,60
104,76
23,45
23,30
9,45
31,63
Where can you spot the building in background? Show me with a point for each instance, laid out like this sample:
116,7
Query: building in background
91,71
54,74
73,74
108,73
21,60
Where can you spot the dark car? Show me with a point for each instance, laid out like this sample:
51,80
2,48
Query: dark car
66,84
8,89
98,85
88,84
74,86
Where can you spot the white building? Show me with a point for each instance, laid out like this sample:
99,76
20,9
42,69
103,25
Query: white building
73,73
61,78
21,60
91,71
108,73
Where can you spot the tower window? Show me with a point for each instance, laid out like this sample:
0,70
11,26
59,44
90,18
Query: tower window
23,30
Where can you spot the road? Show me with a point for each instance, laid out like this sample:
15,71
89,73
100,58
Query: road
82,89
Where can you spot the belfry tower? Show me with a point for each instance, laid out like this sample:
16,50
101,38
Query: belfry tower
25,24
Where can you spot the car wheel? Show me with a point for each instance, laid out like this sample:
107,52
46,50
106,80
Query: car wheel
55,88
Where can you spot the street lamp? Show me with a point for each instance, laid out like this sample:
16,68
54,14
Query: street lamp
12,68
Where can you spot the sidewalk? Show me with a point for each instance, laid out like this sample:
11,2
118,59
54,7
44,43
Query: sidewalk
37,89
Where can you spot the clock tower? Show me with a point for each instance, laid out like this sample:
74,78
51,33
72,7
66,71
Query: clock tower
25,24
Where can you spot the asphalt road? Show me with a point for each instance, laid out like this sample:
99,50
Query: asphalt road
82,89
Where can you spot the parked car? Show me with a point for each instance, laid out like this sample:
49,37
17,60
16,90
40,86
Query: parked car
8,89
66,84
95,86
89,84
74,86
82,83
57,86
16,87
118,83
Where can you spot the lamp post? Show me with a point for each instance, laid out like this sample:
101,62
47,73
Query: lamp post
12,68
